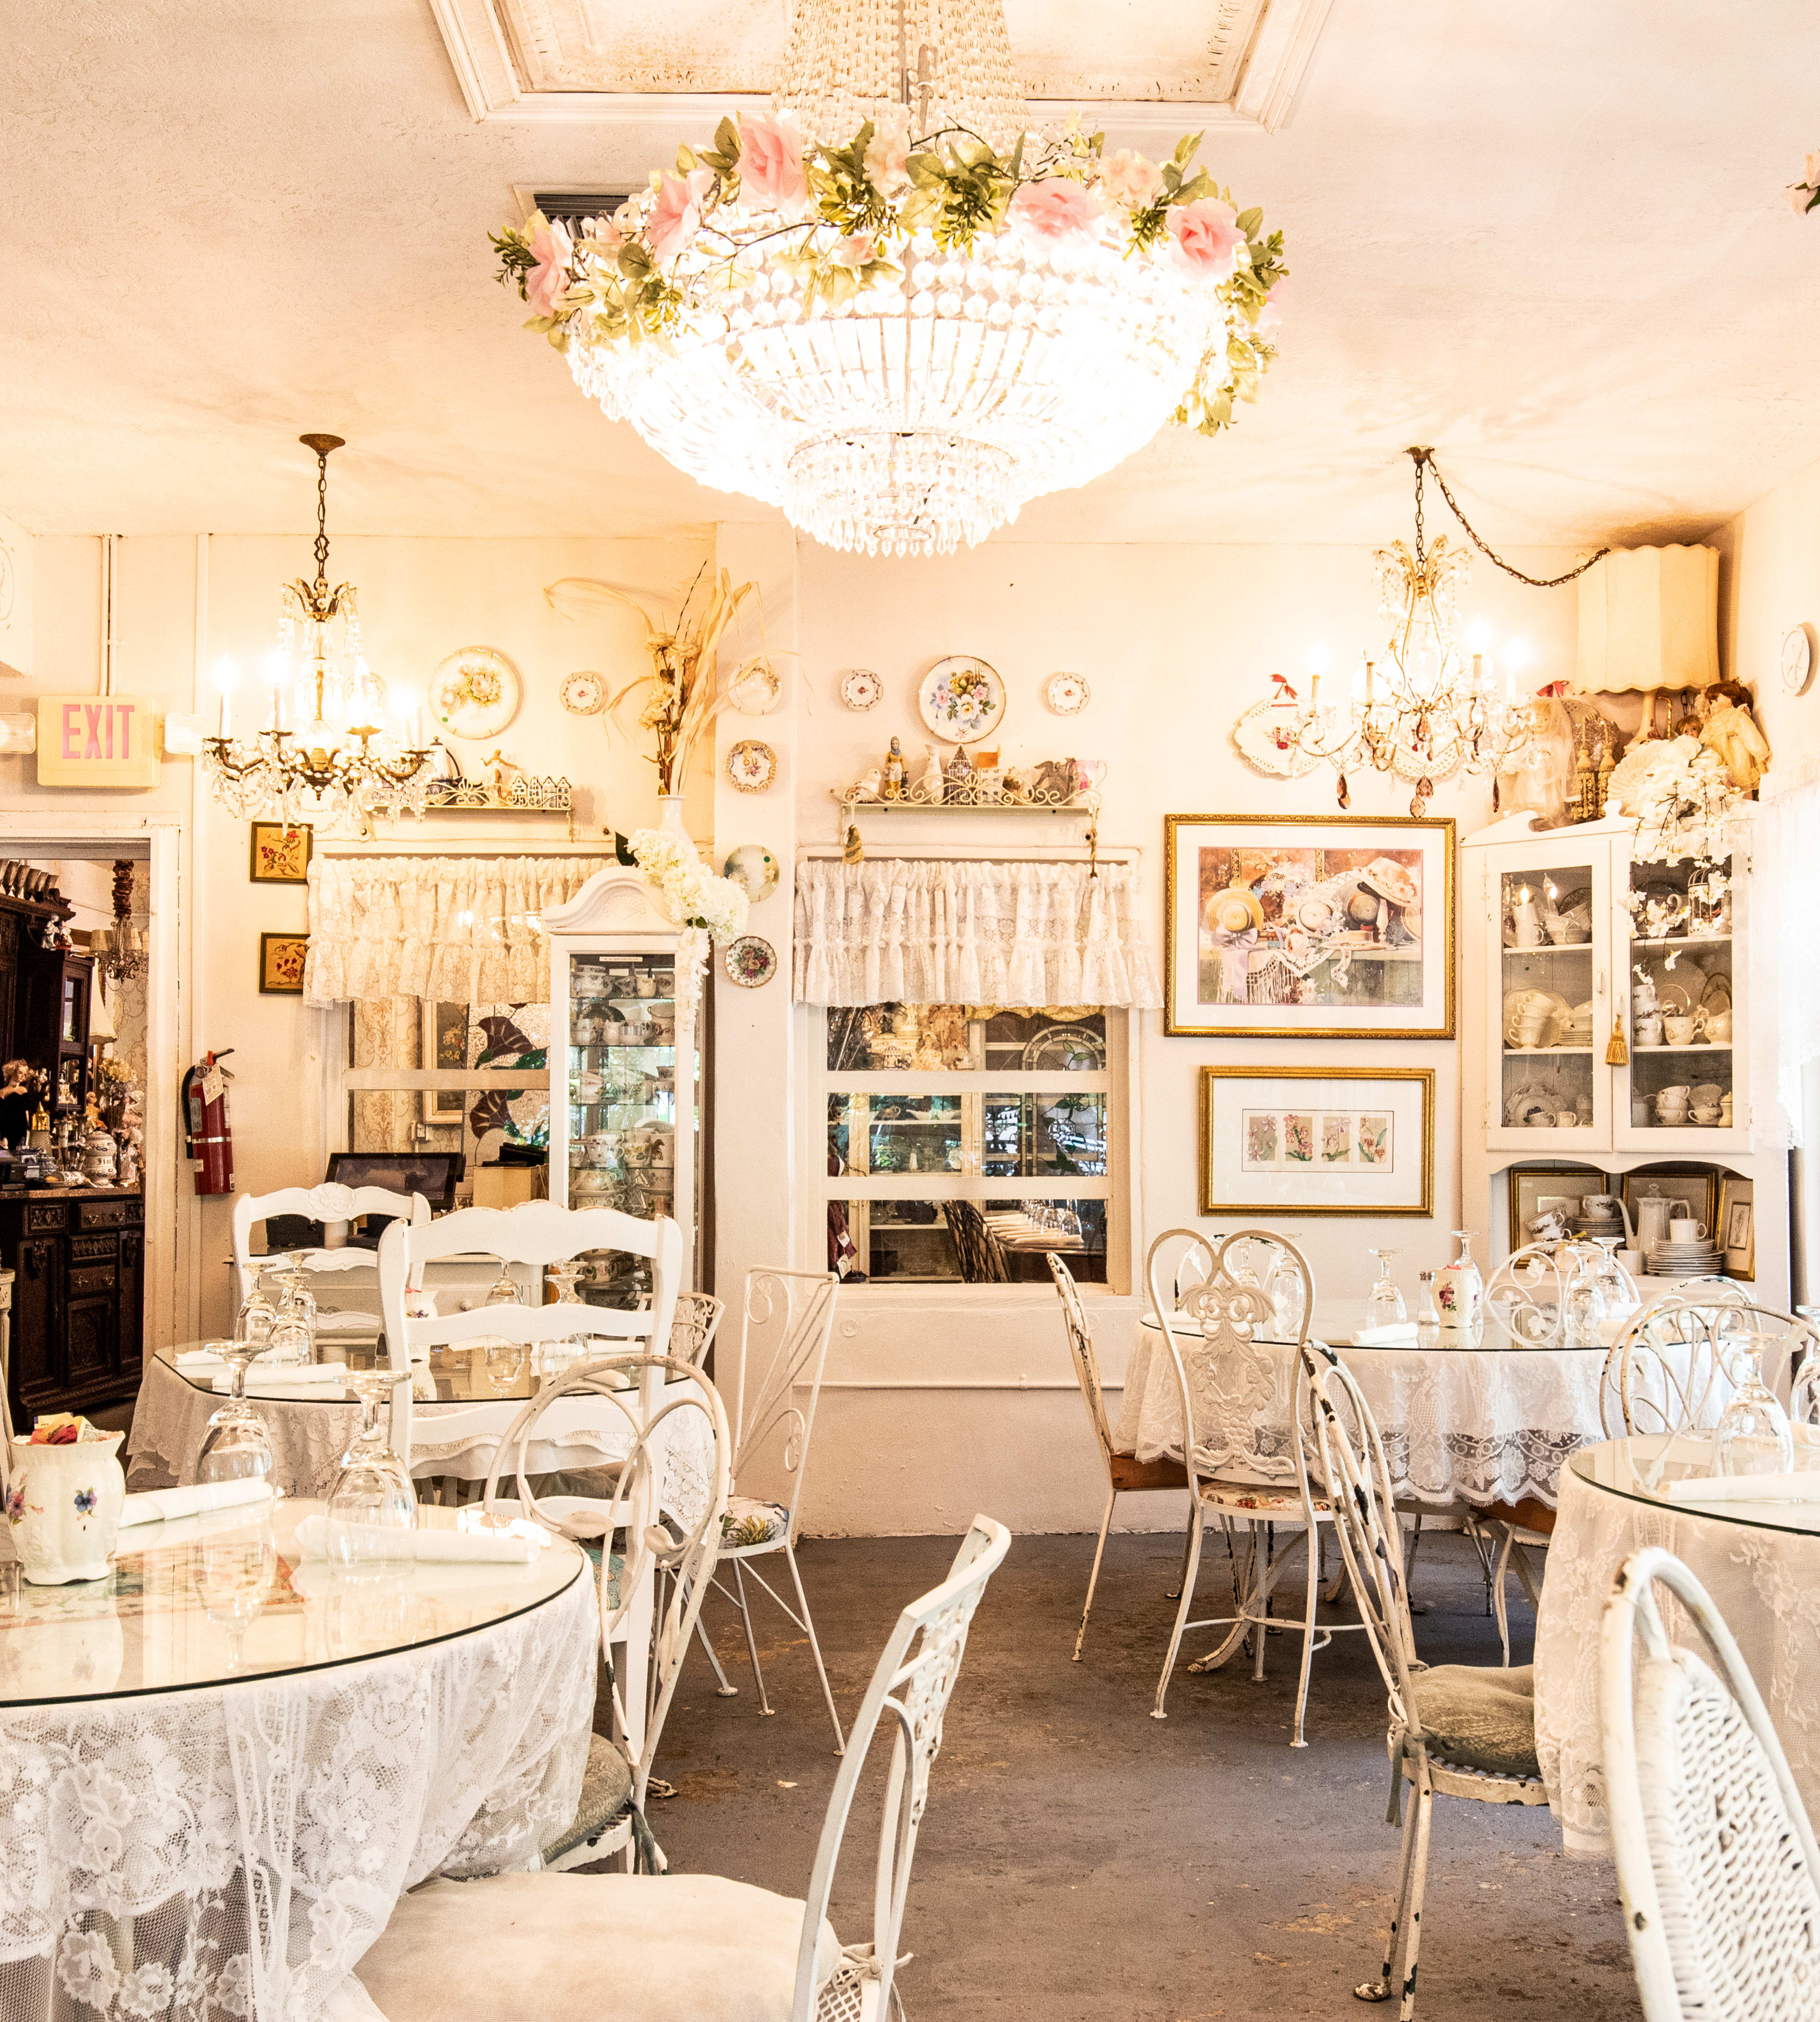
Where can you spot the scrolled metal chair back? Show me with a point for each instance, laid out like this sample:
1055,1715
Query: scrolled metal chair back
1667,1371
798,1306
692,1333
1527,1297
1080,1347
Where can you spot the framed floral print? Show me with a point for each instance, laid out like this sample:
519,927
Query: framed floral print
281,852
281,960
1316,1140
1309,927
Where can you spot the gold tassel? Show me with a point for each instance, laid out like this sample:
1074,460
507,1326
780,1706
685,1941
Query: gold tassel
1617,1054
855,850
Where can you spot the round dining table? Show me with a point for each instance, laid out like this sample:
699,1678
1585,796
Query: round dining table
221,1765
1758,1560
1482,1424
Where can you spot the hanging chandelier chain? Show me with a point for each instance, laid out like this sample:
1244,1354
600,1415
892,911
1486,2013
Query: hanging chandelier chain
322,519
1426,458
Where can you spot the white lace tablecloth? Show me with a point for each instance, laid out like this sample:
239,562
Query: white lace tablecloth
231,1851
309,1438
1766,1584
1473,1425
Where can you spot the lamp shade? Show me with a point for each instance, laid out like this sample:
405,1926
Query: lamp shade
1649,618
100,1016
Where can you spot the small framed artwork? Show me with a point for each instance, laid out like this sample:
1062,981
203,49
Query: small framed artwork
281,959
1536,1189
1316,1140
1695,1190
1736,1233
445,1044
281,852
1308,927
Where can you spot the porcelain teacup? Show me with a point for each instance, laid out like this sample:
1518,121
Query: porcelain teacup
1678,1032
1685,1229
1649,1029
1706,1114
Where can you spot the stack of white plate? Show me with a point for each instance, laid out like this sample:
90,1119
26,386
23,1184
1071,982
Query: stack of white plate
1684,1260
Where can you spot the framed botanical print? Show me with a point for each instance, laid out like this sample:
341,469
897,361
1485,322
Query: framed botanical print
1735,1231
281,960
445,1044
1316,1140
1309,927
281,852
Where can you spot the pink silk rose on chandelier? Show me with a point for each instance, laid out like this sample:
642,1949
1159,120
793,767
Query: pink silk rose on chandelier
1207,238
544,286
676,212
888,151
1053,209
1128,178
771,173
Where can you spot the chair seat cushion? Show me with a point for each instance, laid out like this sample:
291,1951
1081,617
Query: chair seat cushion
606,1797
1253,1495
590,1948
1480,1718
1130,1473
749,1521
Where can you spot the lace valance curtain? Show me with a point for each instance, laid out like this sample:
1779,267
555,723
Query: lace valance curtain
1786,950
450,929
892,930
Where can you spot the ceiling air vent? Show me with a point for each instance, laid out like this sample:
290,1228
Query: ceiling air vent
569,206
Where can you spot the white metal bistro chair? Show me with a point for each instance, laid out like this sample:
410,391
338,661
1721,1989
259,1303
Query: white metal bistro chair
692,1333
611,1815
697,1947
1458,1730
1717,1866
1666,1372
335,1206
1247,1457
1126,1475
798,1307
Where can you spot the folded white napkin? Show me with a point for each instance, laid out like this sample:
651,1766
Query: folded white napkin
1746,1488
1395,1333
155,1505
205,1362
430,1547
281,1379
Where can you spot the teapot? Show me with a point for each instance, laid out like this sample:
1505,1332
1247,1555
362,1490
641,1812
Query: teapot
100,1158
1653,1215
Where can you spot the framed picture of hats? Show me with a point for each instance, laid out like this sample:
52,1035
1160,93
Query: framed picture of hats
1736,1230
1316,1140
1308,927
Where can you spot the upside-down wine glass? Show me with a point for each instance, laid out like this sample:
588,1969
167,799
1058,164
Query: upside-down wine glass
1752,1435
236,1447
372,1508
1385,1306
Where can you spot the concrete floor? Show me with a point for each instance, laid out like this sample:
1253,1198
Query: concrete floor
1079,1862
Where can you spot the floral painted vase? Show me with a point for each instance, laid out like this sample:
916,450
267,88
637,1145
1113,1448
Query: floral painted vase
63,1506
1459,1291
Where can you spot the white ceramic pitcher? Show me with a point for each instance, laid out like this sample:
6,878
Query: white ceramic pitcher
1653,1215
64,1504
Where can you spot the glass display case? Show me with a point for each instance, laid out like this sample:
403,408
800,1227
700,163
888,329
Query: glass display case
626,1124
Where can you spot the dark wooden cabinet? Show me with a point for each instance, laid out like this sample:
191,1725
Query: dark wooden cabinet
78,1298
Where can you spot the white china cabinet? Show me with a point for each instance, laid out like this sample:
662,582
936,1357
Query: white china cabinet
1566,933
625,1090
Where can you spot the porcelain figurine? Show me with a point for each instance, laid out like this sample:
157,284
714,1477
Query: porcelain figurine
896,779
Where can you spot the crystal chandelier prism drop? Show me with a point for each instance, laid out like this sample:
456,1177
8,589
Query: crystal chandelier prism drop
891,308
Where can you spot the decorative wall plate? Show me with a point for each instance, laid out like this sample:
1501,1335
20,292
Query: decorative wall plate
860,689
475,692
1254,735
754,869
752,766
1067,695
584,694
1797,659
756,687
751,961
961,699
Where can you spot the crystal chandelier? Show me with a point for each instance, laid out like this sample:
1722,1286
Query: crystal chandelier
890,309
120,949
323,755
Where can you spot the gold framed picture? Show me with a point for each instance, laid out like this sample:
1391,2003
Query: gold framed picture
1308,927
1735,1231
1316,1140
1535,1189
445,1045
281,960
1694,1190
281,851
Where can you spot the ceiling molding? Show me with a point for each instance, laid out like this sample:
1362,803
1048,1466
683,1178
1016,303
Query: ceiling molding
1247,74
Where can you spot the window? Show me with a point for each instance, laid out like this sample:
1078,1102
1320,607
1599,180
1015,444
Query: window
965,1141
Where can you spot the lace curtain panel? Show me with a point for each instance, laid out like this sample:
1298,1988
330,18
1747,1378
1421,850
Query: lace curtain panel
1785,937
455,929
911,931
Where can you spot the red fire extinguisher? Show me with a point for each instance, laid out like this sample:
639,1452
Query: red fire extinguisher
207,1139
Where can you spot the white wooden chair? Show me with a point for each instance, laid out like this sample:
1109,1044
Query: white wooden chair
1247,1458
335,1206
610,1814
1717,1866
798,1306
1126,1475
1459,1730
696,1947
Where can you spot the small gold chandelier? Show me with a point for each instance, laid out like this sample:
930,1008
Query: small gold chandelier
323,754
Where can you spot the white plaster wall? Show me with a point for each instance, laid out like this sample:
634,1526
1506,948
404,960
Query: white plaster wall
17,575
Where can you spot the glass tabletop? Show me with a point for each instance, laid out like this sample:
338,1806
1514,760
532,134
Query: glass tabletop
1338,1324
1646,1469
465,1374
208,1601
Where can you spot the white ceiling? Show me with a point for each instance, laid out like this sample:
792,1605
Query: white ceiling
1549,239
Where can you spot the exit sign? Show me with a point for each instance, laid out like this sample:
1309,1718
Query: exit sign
97,741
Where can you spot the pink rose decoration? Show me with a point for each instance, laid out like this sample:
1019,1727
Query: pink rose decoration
889,151
771,173
1271,314
1208,237
1798,195
1053,209
545,284
676,212
858,251
1127,178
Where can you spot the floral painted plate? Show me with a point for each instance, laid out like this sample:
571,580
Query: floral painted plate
475,692
756,687
860,689
751,961
1067,695
583,694
752,766
754,869
961,699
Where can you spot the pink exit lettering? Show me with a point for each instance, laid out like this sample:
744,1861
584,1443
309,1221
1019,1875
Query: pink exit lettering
97,729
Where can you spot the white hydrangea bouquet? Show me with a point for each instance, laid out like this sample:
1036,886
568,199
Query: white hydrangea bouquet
705,907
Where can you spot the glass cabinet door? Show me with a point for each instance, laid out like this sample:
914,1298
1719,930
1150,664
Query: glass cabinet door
1550,943
1682,1022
